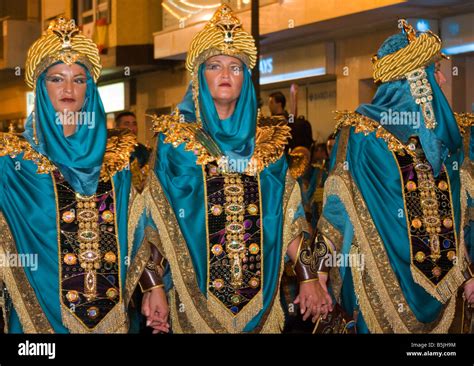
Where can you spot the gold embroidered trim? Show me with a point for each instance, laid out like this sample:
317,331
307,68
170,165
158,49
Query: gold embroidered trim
366,126
330,232
25,302
270,140
136,208
137,265
291,229
116,157
384,295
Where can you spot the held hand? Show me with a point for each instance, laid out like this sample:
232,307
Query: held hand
314,300
469,291
155,308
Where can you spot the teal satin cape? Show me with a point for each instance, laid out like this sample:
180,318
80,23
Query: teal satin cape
183,183
376,174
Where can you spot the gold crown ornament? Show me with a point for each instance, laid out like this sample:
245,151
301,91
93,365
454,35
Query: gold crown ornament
222,35
420,51
61,42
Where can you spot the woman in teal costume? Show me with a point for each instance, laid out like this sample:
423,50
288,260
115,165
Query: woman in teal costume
64,198
409,268
225,208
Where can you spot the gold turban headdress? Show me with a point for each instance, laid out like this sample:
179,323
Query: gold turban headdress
62,41
420,51
222,35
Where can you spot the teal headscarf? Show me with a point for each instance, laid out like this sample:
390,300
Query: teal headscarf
395,96
235,135
79,156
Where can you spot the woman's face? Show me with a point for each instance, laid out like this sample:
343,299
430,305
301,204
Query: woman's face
224,76
66,86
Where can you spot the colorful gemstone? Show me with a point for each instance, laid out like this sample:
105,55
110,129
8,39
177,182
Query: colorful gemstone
443,185
446,243
451,255
436,271
93,312
235,299
420,257
252,209
111,293
70,259
110,257
107,216
218,284
448,223
217,249
68,216
254,282
416,223
216,210
254,248
72,296
235,228
411,186
234,208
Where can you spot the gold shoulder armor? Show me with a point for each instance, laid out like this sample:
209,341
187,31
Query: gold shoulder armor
366,125
464,120
270,140
12,145
120,144
299,161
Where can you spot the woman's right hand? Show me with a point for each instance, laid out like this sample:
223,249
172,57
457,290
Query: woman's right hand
155,308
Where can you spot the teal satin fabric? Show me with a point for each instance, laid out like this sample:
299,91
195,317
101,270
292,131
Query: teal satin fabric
79,156
376,174
27,201
183,184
